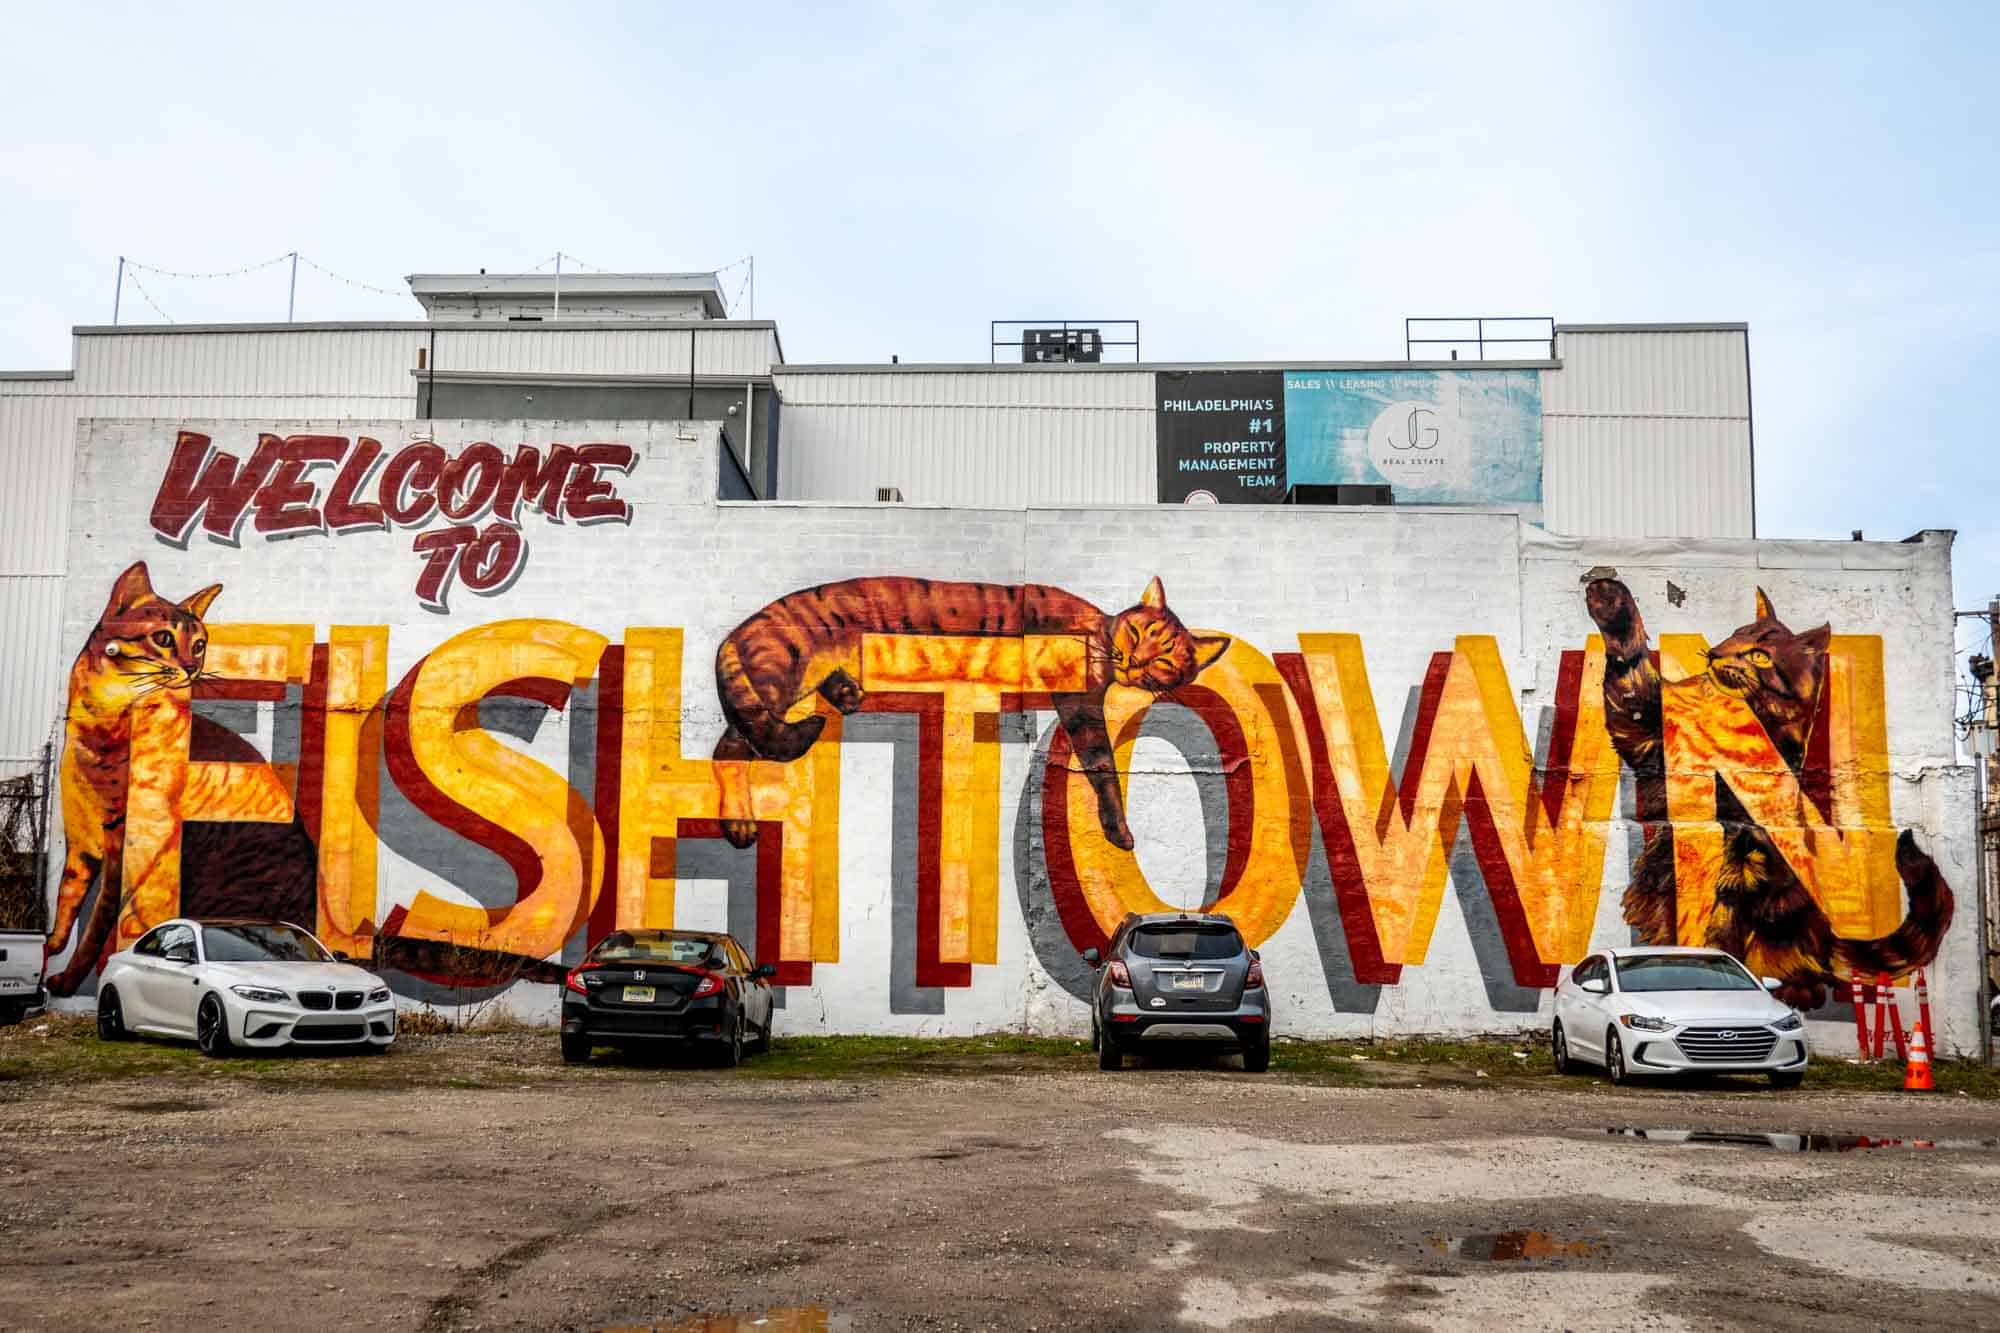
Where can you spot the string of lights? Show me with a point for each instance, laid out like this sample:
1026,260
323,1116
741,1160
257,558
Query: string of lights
225,273
323,271
141,289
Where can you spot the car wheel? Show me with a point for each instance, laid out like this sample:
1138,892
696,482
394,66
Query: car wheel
1559,1049
1614,1058
576,1048
1108,1054
211,1029
110,1017
762,1044
731,1054
1788,1080
1257,1055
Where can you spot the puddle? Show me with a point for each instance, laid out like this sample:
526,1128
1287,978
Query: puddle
1505,1246
789,1319
1802,1142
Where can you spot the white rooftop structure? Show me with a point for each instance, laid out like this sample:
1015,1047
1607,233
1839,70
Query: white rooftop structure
537,297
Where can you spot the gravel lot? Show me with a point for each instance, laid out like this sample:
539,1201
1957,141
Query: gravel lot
1194,1197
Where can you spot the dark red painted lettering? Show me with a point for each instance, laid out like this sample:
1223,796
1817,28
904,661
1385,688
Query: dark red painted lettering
588,497
461,499
419,466
287,502
205,483
441,548
343,512
529,478
492,561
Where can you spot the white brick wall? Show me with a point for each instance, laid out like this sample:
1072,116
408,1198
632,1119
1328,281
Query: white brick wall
1408,583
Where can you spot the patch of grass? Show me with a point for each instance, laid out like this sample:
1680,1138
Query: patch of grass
65,1049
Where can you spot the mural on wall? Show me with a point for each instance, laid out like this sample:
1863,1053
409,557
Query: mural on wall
1761,773
1762,835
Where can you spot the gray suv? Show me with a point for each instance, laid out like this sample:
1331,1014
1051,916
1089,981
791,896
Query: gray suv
1179,977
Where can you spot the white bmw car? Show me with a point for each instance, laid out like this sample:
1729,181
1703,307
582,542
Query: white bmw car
1675,1011
241,983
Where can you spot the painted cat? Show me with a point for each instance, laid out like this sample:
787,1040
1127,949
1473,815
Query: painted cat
1763,915
810,641
144,645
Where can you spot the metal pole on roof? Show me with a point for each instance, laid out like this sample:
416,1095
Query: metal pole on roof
292,292
753,287
558,309
118,296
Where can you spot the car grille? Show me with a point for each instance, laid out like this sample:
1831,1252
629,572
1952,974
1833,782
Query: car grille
329,1032
349,999
312,999
1723,1046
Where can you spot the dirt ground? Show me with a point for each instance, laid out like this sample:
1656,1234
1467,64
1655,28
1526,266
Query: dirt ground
332,1194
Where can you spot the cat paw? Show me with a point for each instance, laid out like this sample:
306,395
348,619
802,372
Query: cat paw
842,691
1612,609
740,832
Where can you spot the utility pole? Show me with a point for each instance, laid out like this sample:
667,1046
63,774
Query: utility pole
292,293
1989,829
118,296
558,309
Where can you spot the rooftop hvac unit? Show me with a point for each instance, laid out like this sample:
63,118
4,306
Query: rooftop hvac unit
1046,345
1340,495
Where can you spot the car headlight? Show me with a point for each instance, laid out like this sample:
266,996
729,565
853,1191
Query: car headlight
1789,1023
1644,1023
378,995
262,994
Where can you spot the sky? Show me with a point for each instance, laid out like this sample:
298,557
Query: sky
1253,182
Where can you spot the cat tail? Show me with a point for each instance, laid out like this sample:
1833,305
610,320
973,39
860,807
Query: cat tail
1914,943
766,729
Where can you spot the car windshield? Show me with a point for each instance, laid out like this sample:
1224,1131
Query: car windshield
1200,942
261,944
1662,972
622,947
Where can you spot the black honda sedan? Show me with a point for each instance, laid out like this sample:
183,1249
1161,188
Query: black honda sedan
642,987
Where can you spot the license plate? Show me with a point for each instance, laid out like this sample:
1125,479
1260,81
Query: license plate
638,995
13,983
1190,981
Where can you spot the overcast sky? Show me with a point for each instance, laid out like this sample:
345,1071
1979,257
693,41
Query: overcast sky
1284,183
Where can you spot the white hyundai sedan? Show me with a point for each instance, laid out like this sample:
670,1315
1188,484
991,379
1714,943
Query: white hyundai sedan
1675,1011
241,983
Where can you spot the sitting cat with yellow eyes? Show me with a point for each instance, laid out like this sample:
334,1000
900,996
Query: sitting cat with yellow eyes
1764,915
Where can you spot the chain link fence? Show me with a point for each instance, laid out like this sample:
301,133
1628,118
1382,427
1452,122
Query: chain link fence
23,840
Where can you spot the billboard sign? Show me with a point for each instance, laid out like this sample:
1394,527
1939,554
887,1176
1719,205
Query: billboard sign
1221,436
1436,436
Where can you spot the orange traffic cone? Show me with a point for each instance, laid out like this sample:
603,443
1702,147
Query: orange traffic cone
1917,1074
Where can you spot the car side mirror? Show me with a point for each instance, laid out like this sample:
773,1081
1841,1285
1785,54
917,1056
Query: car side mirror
764,970
1772,984
1092,956
340,957
180,953
1597,986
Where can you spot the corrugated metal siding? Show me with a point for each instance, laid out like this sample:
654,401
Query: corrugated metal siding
1647,434
32,671
1645,477
1650,374
610,351
344,363
971,438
